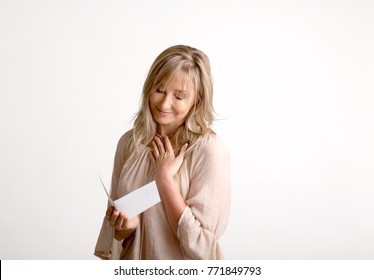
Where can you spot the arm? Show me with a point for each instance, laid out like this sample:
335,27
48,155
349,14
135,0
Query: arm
106,244
207,207
205,219
123,227
167,165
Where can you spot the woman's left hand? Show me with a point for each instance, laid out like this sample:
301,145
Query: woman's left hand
166,163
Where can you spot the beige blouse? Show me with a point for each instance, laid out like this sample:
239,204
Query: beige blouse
204,183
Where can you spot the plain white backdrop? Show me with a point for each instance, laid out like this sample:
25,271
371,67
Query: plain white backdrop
293,91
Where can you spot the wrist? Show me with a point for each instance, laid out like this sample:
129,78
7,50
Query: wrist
123,234
164,180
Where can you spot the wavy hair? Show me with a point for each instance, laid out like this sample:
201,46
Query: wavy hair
196,66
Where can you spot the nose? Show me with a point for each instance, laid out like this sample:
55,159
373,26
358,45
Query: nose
165,102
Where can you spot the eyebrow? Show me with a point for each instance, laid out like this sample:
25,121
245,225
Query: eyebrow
178,91
182,91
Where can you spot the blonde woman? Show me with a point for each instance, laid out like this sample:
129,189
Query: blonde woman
172,143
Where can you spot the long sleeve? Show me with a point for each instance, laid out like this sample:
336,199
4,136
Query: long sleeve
107,247
208,202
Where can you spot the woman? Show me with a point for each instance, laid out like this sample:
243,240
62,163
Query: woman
172,143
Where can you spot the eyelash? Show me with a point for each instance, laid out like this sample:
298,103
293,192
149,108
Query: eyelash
161,91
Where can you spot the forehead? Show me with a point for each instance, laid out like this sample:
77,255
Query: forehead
179,81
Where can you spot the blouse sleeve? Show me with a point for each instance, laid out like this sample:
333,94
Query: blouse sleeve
107,247
205,218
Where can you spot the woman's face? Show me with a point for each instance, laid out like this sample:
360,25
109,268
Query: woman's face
171,104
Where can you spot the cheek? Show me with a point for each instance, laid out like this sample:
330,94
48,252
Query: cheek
152,100
151,104
183,111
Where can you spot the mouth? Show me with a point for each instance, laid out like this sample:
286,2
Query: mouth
163,113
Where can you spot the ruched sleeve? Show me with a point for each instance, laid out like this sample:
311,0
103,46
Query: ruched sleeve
107,247
206,216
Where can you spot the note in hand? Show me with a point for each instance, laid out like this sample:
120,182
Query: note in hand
137,201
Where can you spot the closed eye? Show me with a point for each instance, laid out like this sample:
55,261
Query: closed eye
180,95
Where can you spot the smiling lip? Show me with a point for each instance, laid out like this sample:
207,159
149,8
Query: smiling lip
163,112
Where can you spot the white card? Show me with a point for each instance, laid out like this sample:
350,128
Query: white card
137,201
107,194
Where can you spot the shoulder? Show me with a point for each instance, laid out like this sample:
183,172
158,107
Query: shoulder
211,143
210,147
125,138
123,143
209,160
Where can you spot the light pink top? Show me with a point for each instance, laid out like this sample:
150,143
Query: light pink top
204,183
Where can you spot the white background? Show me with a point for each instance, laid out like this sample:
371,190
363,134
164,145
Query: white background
293,91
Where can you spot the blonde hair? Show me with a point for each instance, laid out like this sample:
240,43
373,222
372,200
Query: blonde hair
195,64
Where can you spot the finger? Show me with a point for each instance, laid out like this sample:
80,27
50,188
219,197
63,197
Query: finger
168,145
160,145
113,218
152,157
155,150
120,221
125,222
125,218
109,212
183,150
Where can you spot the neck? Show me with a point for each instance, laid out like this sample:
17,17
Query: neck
168,135
162,131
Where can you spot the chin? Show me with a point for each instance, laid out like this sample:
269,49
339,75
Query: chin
160,120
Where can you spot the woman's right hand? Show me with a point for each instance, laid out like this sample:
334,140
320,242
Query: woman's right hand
120,222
